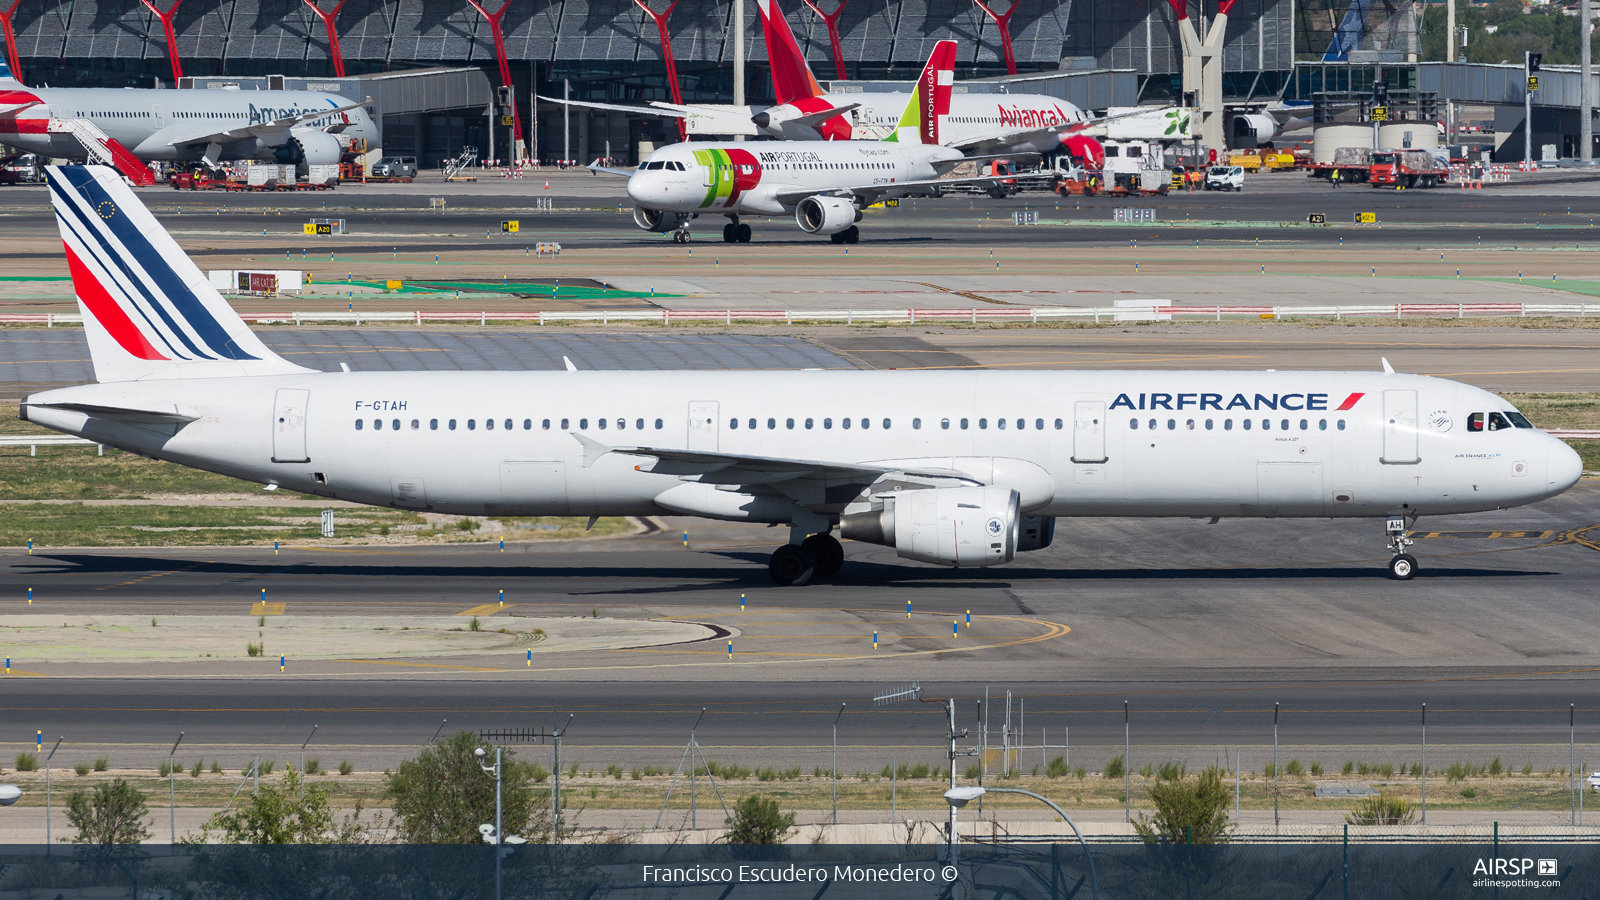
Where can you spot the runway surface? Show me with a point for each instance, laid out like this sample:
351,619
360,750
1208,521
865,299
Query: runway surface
1199,627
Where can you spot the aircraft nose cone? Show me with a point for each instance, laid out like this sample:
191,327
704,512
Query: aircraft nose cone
1563,466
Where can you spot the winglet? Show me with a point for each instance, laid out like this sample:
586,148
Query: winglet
592,449
1387,369
573,368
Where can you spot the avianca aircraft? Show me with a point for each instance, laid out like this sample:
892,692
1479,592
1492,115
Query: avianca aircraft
993,124
296,127
953,468
823,184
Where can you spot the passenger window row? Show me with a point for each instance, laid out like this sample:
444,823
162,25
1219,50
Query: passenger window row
505,424
886,424
1227,424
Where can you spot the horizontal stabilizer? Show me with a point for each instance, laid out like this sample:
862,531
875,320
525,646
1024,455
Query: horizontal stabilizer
119,413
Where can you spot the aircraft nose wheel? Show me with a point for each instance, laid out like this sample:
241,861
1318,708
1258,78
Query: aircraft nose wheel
791,565
827,551
1403,567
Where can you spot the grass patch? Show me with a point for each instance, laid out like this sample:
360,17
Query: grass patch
1559,410
78,525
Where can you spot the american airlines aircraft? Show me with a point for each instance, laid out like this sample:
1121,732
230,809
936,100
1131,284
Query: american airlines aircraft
953,468
997,124
823,184
290,127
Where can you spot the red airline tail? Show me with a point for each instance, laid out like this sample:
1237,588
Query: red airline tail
791,75
934,87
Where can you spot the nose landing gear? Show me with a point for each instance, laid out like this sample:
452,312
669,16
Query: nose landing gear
1403,567
681,236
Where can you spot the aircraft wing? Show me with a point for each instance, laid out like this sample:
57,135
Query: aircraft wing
737,469
656,108
596,168
871,193
1018,136
262,129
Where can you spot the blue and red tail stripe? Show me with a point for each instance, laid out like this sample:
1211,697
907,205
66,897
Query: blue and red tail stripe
148,283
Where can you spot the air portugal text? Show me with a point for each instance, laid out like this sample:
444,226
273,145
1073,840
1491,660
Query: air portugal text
1295,402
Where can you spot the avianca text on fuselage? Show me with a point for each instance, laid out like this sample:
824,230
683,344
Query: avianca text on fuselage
1201,400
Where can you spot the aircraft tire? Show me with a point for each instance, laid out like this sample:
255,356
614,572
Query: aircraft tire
791,565
729,233
851,235
1403,567
741,233
828,552
836,237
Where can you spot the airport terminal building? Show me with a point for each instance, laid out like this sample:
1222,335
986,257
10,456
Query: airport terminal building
612,50
432,66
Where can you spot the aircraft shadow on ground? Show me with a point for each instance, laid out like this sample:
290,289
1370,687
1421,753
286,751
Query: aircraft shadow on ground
855,573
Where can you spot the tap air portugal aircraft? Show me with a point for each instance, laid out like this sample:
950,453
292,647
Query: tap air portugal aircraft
140,125
995,124
953,468
823,184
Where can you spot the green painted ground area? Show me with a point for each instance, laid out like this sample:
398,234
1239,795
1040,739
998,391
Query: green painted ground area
35,277
572,292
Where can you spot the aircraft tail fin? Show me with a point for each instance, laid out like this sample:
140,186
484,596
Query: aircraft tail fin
791,74
931,103
148,311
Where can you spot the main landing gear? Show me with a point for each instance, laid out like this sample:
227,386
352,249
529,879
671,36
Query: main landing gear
818,556
1403,567
851,235
681,236
736,232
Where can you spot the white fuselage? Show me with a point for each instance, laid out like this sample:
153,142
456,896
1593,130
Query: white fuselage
159,124
1071,443
971,116
751,177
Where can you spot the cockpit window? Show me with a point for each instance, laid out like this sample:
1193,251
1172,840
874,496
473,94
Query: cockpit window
1475,422
657,164
1518,419
1497,422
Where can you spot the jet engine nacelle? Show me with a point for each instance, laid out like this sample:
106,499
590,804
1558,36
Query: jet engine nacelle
309,147
825,215
967,526
658,221
1251,130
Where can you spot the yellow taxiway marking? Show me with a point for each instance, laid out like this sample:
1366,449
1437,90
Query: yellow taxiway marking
263,608
1484,535
16,672
411,665
104,587
485,609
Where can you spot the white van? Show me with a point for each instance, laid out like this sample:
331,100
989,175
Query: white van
1225,178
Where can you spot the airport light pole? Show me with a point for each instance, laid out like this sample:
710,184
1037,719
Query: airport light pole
47,791
959,797
436,732
836,765
499,836
303,760
172,790
1424,763
1275,767
1127,766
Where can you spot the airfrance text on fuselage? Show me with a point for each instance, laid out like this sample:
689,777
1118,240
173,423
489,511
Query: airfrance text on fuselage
1295,402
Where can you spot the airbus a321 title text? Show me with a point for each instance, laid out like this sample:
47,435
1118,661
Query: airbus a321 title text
776,873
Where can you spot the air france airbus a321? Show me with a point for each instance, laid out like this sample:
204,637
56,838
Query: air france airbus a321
953,468
823,184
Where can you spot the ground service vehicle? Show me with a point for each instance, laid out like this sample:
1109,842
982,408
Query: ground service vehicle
395,168
1225,178
1407,169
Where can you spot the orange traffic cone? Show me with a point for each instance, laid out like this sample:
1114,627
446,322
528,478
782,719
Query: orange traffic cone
547,184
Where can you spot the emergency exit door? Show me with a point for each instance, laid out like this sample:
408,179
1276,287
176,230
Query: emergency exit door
289,426
1089,432
1400,428
703,425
